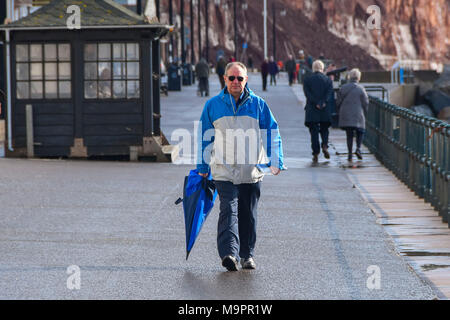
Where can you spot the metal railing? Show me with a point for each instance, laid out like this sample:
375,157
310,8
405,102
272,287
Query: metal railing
379,89
416,148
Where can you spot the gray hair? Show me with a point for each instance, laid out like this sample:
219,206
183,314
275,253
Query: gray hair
235,63
318,66
354,74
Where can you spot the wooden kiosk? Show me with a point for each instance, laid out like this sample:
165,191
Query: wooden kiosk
83,80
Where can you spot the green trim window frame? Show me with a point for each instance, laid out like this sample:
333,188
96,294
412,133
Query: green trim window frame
111,70
43,71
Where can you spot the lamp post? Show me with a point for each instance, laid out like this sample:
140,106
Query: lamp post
274,40
139,7
199,30
235,30
183,51
265,28
206,30
156,69
158,13
171,36
191,12
235,25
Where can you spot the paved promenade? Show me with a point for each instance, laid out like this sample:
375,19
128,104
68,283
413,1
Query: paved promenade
116,221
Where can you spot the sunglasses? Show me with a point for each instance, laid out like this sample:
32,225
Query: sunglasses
240,79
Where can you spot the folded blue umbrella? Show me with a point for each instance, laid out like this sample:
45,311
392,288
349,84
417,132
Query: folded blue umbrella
199,194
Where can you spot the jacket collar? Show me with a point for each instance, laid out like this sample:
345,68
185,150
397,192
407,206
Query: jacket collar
224,94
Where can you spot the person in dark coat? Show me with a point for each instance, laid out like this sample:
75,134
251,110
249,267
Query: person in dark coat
352,105
250,63
309,61
318,88
290,69
264,73
202,71
220,70
273,70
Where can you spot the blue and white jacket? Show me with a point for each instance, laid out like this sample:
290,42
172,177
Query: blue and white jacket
237,138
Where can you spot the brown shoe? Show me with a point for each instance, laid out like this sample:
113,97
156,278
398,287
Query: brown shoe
315,158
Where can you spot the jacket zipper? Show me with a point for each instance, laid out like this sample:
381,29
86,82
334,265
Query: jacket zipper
237,107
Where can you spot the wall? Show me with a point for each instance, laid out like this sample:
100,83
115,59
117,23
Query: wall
403,95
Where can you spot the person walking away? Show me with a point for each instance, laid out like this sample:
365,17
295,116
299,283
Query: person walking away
330,68
249,63
220,70
202,71
332,100
352,105
318,88
238,181
301,66
301,55
264,73
273,70
309,61
290,68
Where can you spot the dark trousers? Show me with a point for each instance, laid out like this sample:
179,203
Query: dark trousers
273,79
350,131
203,86
291,78
264,80
316,129
236,230
222,81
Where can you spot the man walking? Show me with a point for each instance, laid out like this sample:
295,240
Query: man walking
236,113
273,70
290,68
220,70
264,73
318,88
202,71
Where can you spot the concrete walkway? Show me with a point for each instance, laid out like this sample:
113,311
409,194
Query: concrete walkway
116,222
415,227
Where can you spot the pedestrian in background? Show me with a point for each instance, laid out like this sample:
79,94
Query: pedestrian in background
290,68
202,71
330,68
220,70
302,65
264,73
280,65
250,63
318,88
238,184
273,70
352,105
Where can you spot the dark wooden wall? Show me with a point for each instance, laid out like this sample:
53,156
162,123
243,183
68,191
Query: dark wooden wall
108,127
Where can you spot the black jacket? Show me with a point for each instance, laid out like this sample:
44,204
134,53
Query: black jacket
318,89
290,66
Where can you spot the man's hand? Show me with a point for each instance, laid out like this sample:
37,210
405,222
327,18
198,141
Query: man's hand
320,107
204,175
275,170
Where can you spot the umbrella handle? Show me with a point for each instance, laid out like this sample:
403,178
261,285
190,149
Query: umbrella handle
179,200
